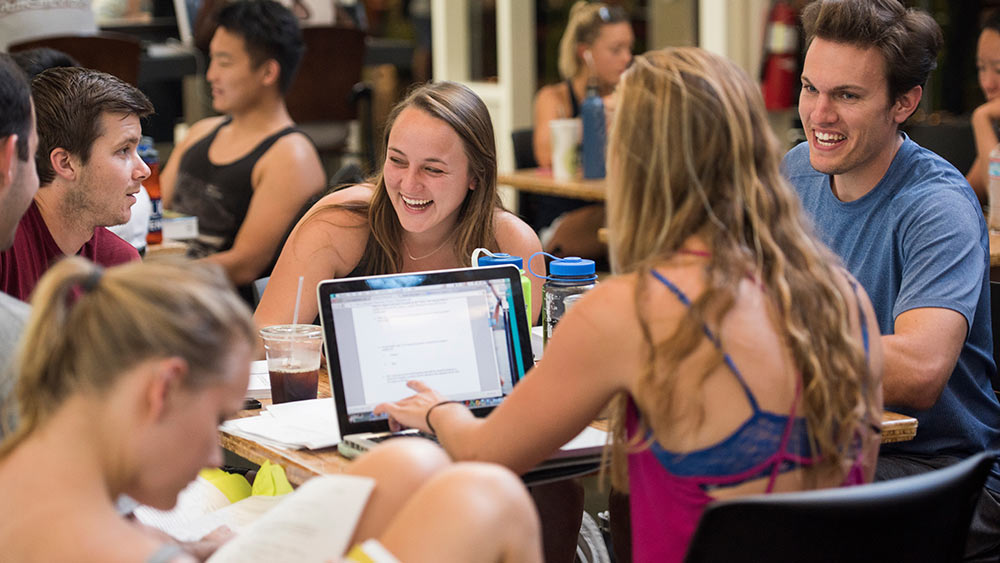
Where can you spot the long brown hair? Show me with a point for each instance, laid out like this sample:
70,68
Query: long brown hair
691,153
88,326
463,111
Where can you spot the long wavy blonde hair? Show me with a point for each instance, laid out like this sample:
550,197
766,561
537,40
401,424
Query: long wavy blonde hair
691,153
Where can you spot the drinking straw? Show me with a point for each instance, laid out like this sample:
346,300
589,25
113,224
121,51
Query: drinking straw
298,297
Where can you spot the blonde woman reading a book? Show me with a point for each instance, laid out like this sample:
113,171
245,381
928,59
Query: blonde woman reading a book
124,376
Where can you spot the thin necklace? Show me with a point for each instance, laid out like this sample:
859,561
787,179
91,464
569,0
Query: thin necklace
428,255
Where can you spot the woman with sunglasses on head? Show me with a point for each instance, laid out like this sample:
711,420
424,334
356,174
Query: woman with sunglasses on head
596,46
595,49
739,357
124,376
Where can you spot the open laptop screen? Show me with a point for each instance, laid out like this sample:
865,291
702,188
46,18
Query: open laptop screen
462,332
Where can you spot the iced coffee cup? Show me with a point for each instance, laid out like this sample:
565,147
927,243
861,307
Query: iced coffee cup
293,356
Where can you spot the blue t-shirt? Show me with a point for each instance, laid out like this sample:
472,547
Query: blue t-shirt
918,239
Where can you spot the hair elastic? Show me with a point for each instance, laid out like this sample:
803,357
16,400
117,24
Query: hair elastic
427,417
91,281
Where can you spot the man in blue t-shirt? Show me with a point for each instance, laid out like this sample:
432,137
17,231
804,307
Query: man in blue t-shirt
909,227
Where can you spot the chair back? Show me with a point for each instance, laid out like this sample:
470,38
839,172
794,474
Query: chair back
114,53
524,148
331,66
920,518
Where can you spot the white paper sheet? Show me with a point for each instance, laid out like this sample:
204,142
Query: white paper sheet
192,517
299,424
314,523
260,381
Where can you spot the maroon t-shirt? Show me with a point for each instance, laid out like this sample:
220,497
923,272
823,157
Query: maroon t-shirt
34,251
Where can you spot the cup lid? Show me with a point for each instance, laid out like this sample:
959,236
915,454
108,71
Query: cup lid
572,266
499,258
291,332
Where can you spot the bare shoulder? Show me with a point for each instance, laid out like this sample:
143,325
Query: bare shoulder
510,228
293,156
614,294
553,95
202,128
340,209
609,313
358,193
293,148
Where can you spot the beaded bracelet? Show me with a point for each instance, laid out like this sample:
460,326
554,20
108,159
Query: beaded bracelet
427,417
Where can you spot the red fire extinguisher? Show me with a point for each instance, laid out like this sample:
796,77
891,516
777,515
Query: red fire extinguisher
780,70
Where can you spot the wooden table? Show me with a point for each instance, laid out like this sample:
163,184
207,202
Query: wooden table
540,181
897,427
164,249
994,249
302,465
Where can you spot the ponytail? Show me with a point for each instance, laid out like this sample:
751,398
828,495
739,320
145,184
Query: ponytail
88,326
41,362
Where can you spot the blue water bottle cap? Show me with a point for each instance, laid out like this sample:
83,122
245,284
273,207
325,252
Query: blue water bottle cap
572,266
501,258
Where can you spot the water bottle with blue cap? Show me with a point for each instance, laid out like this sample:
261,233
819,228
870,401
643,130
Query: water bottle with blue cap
569,278
483,257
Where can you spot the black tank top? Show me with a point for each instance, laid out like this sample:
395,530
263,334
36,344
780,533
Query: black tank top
219,195
573,104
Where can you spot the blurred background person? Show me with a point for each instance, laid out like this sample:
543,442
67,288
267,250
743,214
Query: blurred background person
595,48
985,118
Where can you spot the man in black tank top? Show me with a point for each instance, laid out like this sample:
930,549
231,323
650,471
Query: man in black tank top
248,174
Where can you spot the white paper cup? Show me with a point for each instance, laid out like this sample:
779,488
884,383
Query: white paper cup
565,140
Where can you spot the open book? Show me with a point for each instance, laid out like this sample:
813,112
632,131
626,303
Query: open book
313,523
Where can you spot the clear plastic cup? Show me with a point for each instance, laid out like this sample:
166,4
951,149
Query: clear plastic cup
293,357
565,140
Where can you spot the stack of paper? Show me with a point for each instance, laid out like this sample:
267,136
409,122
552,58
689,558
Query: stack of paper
299,424
260,381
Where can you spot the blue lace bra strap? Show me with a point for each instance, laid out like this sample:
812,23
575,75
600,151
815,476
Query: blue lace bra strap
711,337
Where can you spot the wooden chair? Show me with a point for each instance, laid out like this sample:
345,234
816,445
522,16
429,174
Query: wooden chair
325,93
920,518
114,53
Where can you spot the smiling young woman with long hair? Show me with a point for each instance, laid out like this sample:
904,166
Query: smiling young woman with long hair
433,202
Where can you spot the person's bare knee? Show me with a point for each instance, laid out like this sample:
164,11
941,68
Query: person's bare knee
400,467
468,512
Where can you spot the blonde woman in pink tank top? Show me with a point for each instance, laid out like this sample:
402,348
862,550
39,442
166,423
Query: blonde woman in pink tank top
737,354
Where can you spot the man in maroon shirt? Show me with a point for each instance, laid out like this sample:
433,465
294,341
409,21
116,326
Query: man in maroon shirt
89,170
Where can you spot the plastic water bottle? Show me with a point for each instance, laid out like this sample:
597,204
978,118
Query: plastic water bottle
569,278
994,188
592,115
151,157
483,257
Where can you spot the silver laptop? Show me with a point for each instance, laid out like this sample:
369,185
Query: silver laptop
463,332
